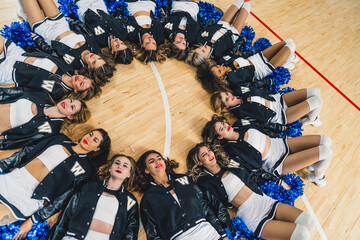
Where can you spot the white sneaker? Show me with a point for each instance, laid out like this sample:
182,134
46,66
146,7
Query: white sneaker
295,59
316,123
289,66
312,178
21,14
310,168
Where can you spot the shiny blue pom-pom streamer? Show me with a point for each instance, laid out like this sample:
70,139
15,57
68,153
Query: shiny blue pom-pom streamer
277,192
160,4
19,33
208,12
241,231
280,76
117,6
286,90
293,129
261,44
39,231
68,8
249,34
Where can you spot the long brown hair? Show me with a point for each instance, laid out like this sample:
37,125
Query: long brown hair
142,179
192,160
218,106
208,80
145,56
103,171
209,134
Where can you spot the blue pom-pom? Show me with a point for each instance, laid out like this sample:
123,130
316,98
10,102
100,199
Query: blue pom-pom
280,76
117,6
68,8
277,192
249,34
261,44
39,231
241,231
286,90
161,4
19,33
207,12
293,129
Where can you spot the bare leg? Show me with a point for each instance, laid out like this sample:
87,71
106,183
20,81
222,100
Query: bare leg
299,160
297,144
229,14
295,97
279,230
2,44
297,106
280,57
5,117
287,213
272,50
241,19
6,216
49,8
33,11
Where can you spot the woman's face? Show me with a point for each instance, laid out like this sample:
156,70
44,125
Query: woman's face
179,41
117,45
228,99
80,83
93,60
91,141
121,168
148,42
206,157
218,70
204,51
154,164
224,130
69,107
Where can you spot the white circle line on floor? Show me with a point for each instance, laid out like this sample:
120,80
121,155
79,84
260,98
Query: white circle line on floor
317,223
166,152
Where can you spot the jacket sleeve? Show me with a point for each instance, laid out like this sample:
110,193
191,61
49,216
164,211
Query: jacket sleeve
149,223
131,232
210,215
14,160
60,229
59,203
220,211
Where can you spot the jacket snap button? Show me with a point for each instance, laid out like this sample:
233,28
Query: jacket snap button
82,236
183,215
174,202
189,224
87,223
93,208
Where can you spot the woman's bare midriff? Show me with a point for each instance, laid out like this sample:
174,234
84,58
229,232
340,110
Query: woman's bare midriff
37,169
31,60
101,226
241,196
267,145
64,34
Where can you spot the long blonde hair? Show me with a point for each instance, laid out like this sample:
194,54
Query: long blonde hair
218,106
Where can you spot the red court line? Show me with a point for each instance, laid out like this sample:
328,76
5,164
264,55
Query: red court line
311,66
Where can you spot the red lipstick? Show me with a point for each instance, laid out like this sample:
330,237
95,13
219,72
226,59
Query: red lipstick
118,171
62,105
92,55
86,142
159,165
233,98
228,128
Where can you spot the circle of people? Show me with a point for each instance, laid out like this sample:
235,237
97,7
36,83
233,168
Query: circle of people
44,90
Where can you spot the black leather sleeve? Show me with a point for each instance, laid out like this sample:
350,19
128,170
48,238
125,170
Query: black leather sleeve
260,176
220,211
61,227
149,223
210,215
14,160
59,203
7,94
131,232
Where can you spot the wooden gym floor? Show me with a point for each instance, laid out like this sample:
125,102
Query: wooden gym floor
141,114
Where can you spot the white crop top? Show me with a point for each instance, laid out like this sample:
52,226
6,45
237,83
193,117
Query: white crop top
242,62
72,39
256,139
20,112
44,63
218,34
106,209
232,185
258,100
143,20
53,156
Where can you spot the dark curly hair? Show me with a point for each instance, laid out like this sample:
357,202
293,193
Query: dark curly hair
208,80
174,52
142,179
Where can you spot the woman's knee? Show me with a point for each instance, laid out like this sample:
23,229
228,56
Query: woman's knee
300,233
314,102
325,152
290,44
325,140
312,92
247,6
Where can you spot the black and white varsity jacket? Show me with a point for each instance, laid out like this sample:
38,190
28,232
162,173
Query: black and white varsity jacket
76,218
58,186
164,218
40,126
102,25
135,31
171,27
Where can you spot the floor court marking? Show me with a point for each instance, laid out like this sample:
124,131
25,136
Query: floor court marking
311,66
166,152
307,203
